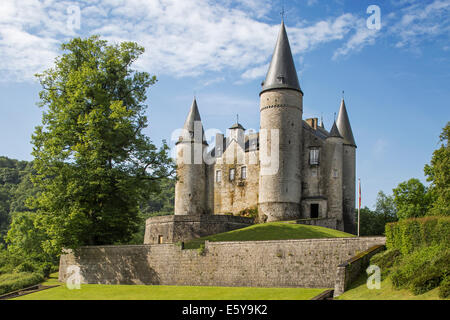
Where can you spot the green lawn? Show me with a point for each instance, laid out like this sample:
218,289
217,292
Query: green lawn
139,292
359,291
271,231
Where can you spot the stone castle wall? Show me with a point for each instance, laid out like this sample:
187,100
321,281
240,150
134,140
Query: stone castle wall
289,263
175,228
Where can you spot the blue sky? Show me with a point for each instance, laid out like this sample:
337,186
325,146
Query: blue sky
396,78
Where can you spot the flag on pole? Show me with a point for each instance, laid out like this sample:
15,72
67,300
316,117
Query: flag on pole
359,202
359,197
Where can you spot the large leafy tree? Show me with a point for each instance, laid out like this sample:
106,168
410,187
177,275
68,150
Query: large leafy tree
93,164
438,172
411,199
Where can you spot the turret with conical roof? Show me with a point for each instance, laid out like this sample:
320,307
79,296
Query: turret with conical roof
334,131
343,124
349,168
190,189
281,109
282,73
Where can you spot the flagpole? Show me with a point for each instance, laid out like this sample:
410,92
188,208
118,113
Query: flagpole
359,202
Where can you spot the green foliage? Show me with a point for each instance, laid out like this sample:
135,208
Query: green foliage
249,213
16,281
411,199
386,260
201,249
15,187
411,234
422,270
438,172
94,166
372,223
444,288
159,203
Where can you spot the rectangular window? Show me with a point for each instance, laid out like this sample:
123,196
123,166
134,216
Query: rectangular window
160,239
314,156
232,173
244,173
218,176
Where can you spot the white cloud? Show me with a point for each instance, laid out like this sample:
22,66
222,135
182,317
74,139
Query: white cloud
420,22
187,38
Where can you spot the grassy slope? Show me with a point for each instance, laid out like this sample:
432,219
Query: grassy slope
139,292
359,291
271,231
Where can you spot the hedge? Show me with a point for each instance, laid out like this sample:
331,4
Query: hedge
410,234
15,281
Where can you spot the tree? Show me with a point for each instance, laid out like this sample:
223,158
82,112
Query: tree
385,207
438,172
411,199
93,164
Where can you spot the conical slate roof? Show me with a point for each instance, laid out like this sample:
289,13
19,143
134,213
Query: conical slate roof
282,73
189,124
343,124
335,131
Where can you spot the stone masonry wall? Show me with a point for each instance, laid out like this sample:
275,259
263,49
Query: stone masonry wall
175,228
350,270
289,263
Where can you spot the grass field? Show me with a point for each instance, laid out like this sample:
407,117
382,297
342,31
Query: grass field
139,292
271,231
359,291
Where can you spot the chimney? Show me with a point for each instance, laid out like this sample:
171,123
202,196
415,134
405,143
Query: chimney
313,122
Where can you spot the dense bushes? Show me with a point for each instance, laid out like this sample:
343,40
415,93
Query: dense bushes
386,260
422,270
418,255
410,234
14,281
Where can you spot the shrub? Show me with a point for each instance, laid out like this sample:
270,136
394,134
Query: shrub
15,281
422,270
386,260
410,234
444,288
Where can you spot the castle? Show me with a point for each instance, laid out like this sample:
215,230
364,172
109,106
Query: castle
293,169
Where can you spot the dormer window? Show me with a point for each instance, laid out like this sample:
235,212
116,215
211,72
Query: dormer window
314,156
281,79
219,151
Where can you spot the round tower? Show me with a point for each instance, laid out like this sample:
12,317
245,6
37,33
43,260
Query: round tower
334,153
349,168
190,188
281,109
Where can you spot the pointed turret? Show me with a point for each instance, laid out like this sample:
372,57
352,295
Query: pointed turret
343,125
335,131
281,110
282,73
190,188
192,124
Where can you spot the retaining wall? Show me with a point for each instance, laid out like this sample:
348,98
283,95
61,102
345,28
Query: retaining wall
308,263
